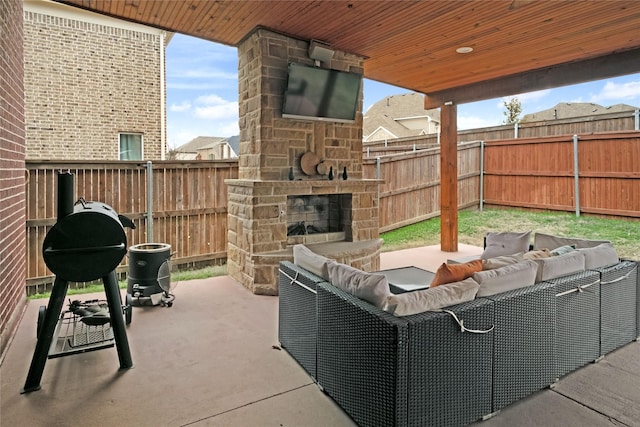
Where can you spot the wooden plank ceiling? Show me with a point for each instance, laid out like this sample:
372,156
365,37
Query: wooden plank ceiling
518,45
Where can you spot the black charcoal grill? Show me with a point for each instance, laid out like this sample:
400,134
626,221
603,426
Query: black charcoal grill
87,243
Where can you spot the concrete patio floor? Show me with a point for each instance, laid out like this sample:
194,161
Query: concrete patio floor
213,359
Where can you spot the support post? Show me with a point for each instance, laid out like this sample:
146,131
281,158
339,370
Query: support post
449,178
481,175
149,202
576,174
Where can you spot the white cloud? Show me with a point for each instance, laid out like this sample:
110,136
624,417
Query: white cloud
184,106
210,99
217,112
206,74
525,97
197,85
229,129
473,122
617,91
214,107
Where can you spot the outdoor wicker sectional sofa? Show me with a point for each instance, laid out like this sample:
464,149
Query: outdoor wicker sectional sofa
459,365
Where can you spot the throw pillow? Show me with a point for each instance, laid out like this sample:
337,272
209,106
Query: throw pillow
431,299
541,241
561,265
311,261
507,243
538,253
501,261
448,273
370,287
599,256
506,278
562,250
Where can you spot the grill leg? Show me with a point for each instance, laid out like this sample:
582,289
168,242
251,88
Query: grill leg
117,320
40,354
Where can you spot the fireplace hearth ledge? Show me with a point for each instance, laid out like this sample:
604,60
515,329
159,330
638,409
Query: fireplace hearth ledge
363,254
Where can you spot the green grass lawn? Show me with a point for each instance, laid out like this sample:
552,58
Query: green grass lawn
176,276
473,225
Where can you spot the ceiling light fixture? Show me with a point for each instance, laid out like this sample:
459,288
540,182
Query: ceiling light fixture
464,49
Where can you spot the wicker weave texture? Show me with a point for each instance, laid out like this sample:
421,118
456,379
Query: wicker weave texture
297,315
577,320
618,305
450,371
524,350
362,358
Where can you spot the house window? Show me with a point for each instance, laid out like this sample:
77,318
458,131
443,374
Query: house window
130,146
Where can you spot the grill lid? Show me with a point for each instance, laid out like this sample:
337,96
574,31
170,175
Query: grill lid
86,244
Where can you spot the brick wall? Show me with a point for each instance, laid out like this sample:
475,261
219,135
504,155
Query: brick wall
86,80
12,171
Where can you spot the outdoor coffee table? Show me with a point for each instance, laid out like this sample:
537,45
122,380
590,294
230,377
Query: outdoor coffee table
407,279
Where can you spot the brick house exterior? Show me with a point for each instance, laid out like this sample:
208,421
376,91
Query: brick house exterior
12,177
88,78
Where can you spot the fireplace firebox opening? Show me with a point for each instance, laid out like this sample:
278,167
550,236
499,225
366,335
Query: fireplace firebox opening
318,214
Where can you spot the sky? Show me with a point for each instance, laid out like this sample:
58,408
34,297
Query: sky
202,93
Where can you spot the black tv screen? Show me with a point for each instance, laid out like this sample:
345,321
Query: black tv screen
321,94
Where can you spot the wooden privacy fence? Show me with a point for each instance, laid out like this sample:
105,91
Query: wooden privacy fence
610,122
593,173
189,206
411,189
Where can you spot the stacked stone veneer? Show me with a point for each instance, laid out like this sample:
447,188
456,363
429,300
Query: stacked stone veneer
270,145
87,79
257,222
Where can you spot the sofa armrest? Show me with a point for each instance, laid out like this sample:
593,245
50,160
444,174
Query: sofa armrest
362,358
618,305
525,342
451,371
297,317
577,320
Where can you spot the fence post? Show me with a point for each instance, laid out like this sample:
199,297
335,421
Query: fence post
377,167
149,202
636,115
481,175
576,174
515,130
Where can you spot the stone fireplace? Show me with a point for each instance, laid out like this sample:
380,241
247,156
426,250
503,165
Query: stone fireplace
268,211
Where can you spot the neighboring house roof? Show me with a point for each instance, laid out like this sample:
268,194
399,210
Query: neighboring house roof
198,143
189,151
234,143
567,110
396,116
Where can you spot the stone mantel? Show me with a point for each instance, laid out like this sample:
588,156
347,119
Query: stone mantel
305,186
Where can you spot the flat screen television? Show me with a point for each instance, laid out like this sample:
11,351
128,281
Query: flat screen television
321,94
